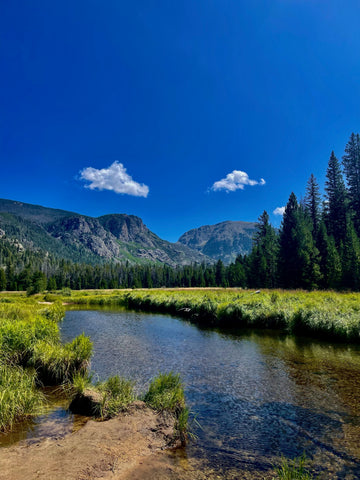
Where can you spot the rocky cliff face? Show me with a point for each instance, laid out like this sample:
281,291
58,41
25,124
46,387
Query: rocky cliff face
87,232
225,240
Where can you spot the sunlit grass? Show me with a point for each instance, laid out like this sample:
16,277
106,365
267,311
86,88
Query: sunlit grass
31,354
18,395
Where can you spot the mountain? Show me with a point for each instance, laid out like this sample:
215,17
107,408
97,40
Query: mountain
225,240
80,238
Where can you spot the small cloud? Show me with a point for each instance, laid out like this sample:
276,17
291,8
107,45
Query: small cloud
236,180
113,178
279,211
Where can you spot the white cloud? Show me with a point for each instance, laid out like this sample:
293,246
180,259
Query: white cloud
113,178
279,211
236,180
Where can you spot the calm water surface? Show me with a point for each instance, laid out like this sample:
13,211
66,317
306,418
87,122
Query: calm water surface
257,395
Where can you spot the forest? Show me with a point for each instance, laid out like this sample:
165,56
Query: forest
316,247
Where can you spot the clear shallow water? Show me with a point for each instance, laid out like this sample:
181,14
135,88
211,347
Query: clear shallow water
258,395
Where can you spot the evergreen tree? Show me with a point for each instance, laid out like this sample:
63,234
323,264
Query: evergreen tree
220,276
312,203
351,163
298,260
262,260
330,263
350,259
335,207
2,280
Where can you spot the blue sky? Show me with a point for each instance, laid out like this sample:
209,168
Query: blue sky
153,108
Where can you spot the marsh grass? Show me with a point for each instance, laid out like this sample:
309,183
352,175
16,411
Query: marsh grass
166,392
59,363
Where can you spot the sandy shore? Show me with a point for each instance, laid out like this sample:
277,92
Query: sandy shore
133,446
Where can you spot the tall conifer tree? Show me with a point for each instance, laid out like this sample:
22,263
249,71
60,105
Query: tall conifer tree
335,206
351,162
312,203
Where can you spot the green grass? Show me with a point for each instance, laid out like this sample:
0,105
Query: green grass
19,397
293,470
117,393
31,354
166,393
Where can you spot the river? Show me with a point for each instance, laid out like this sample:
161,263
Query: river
257,395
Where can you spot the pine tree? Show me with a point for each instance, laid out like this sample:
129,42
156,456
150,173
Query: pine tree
262,260
298,260
351,163
335,207
312,203
220,276
330,263
2,280
350,259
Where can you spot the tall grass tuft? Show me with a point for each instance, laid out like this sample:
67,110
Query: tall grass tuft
56,363
117,393
18,395
293,470
166,394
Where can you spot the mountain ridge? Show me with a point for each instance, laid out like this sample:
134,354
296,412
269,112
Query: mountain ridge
119,237
89,239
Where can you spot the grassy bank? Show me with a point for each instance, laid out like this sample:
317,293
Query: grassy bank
324,314
31,355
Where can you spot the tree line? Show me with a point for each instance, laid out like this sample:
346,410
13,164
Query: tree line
317,246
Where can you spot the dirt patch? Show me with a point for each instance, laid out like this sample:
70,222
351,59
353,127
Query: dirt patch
109,450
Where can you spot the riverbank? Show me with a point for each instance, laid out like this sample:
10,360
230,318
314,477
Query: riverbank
111,449
323,314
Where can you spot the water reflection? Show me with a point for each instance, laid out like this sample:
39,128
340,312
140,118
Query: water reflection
54,422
